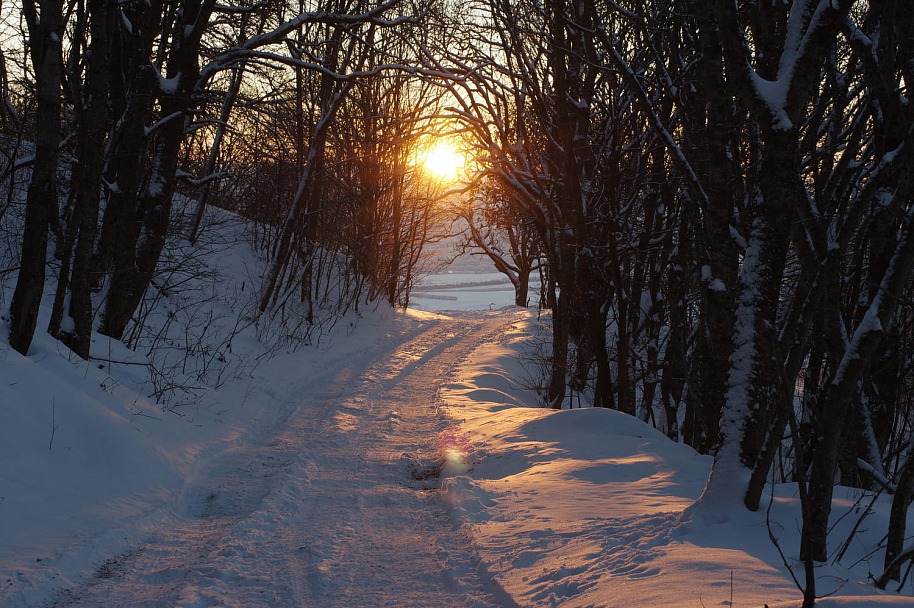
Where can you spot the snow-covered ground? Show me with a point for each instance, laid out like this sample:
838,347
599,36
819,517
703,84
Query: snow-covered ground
469,282
402,462
583,507
463,291
473,285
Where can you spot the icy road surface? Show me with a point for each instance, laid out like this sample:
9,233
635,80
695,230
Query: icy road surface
339,509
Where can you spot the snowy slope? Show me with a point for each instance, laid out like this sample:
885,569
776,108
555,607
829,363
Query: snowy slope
91,465
583,508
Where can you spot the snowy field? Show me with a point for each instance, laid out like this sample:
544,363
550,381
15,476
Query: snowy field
309,449
477,290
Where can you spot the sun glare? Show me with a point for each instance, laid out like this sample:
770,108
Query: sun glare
442,160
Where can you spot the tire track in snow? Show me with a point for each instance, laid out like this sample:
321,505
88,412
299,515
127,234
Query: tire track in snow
327,513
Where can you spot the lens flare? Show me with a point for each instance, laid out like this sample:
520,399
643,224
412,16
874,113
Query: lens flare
454,450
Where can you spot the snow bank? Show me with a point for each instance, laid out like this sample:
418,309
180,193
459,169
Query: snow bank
582,507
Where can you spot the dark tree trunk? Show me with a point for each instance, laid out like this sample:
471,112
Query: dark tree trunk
522,287
898,519
45,33
133,274
603,388
854,365
130,279
558,376
90,147
780,195
712,124
123,173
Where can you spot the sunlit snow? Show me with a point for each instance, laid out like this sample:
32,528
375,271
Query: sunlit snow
405,462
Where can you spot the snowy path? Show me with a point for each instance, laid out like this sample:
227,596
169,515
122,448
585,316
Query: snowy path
338,509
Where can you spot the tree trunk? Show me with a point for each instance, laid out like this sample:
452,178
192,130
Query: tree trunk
133,275
709,144
130,280
898,519
522,286
123,171
856,360
46,34
780,194
558,377
90,150
603,388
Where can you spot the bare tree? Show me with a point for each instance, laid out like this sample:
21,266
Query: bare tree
45,25
73,300
495,227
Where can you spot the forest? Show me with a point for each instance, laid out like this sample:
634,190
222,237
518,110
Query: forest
715,195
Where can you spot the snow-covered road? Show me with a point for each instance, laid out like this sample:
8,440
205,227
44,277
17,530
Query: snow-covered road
338,508
312,481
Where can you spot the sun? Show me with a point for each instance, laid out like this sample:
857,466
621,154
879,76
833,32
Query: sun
442,160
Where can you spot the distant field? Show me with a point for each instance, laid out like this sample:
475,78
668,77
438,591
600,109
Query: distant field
464,291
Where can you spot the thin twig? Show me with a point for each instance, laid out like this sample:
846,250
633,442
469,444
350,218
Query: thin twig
53,421
774,541
107,360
